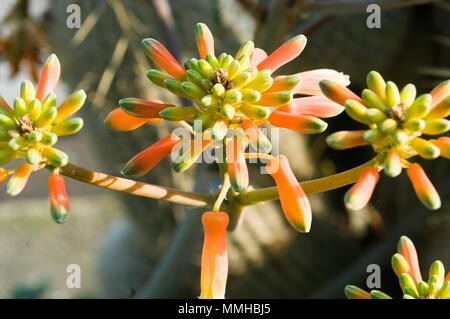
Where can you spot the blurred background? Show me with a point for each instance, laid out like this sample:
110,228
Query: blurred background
130,247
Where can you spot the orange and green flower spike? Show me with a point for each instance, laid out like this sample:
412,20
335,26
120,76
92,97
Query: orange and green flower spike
398,123
293,200
30,129
214,269
59,202
237,91
405,264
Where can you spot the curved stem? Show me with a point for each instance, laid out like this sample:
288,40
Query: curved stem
168,194
136,188
314,186
222,193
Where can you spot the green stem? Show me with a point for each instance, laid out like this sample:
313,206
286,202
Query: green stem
125,185
314,186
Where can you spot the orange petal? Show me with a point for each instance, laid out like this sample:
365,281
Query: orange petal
119,120
299,123
319,106
343,140
440,92
423,187
143,162
406,248
447,278
143,108
359,194
293,199
353,292
285,83
3,175
284,54
214,270
163,58
258,56
309,84
444,145
204,39
49,77
237,167
338,93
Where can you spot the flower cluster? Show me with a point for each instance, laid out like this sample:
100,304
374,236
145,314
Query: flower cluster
406,266
30,129
232,96
397,121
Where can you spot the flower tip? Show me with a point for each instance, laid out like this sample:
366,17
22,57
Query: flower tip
353,292
129,170
147,43
59,214
284,54
52,59
19,180
360,193
214,270
423,187
59,202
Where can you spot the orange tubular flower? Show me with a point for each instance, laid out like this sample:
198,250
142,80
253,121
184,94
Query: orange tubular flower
293,200
214,255
359,194
205,40
284,54
49,77
143,162
299,123
59,202
163,59
423,187
338,93
237,167
407,249
406,267
318,106
119,120
3,175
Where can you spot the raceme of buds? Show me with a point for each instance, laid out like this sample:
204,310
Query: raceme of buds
231,92
398,122
214,269
405,264
293,200
30,129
